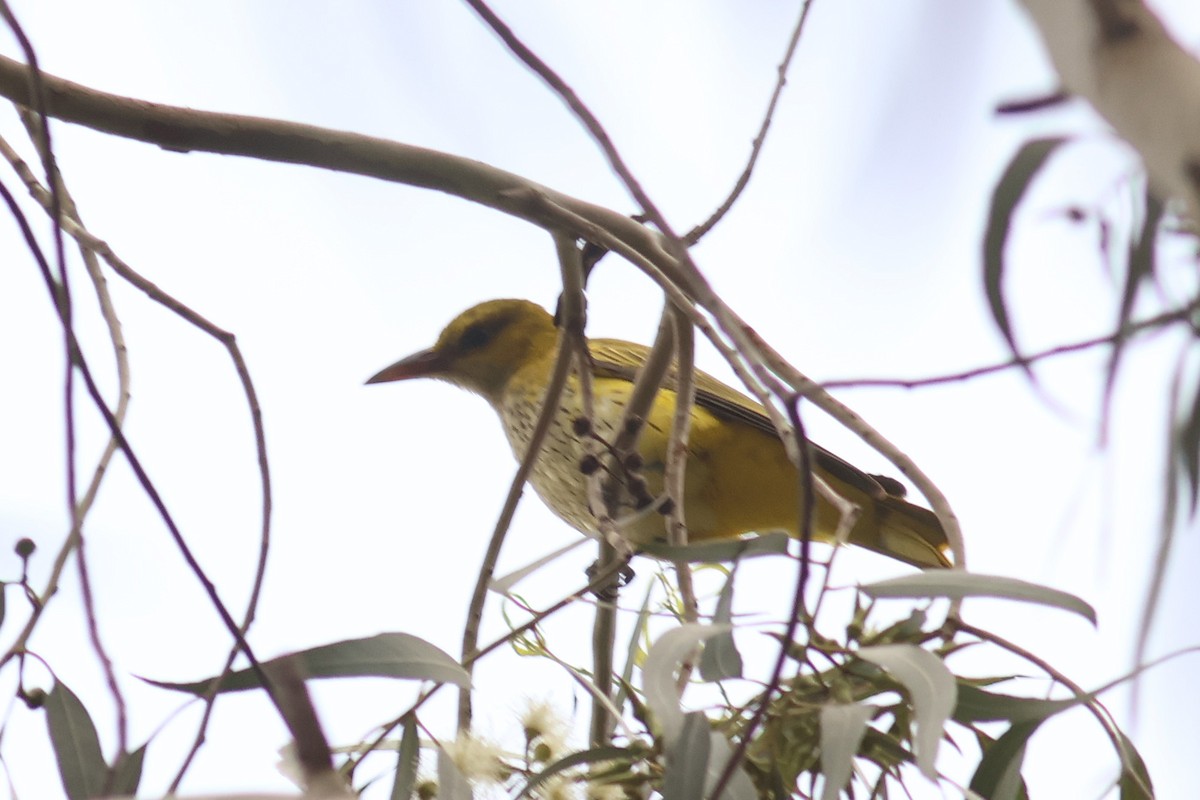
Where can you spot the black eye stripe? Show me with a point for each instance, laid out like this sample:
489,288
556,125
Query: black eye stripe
475,336
478,334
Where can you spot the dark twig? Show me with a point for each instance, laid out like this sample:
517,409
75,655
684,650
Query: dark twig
1183,314
806,512
135,463
554,391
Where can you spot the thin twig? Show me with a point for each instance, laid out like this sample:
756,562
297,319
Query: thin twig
683,270
131,457
91,244
806,512
1088,699
675,468
82,505
698,232
598,580
1183,314
572,316
550,403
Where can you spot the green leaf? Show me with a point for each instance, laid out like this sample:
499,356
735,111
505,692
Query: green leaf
504,584
931,687
1005,199
592,756
76,746
739,787
1135,778
721,658
386,655
1187,448
658,674
1140,267
687,759
998,776
772,544
956,584
408,760
639,629
980,705
843,727
128,772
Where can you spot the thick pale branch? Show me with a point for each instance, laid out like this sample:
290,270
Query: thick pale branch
188,130
1120,57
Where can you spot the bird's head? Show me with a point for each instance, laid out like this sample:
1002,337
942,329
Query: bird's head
481,348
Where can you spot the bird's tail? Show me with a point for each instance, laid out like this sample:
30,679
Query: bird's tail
904,531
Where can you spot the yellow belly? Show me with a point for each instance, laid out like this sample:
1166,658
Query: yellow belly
738,479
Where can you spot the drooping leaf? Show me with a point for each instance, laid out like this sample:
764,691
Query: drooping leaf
386,655
998,776
772,544
1006,197
739,787
721,658
1134,782
687,759
408,760
1139,268
979,705
76,746
931,688
658,674
956,584
127,773
843,726
631,656
1187,447
504,584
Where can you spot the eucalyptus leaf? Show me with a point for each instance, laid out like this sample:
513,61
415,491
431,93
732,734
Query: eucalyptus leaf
385,655
407,761
843,727
998,776
81,764
688,760
1009,191
658,674
739,787
721,658
1134,782
979,705
931,687
127,773
771,544
592,756
957,584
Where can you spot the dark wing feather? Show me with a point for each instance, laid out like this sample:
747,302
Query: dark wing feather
615,358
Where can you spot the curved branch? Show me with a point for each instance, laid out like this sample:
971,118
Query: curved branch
188,130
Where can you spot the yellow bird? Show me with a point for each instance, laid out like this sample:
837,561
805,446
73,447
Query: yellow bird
738,479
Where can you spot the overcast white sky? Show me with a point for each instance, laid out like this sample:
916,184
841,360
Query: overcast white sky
855,252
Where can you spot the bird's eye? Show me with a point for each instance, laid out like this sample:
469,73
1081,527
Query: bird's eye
476,336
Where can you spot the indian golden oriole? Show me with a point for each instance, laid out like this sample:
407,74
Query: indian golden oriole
738,477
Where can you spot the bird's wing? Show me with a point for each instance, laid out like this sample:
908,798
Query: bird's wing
616,358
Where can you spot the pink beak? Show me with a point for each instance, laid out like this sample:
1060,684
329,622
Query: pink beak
418,365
